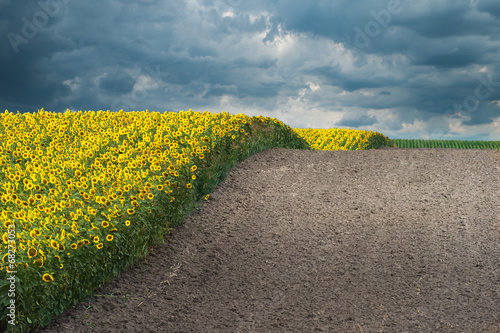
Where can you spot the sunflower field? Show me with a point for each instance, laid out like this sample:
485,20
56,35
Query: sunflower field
342,139
84,194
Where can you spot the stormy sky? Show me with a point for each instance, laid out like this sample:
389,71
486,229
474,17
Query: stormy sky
408,69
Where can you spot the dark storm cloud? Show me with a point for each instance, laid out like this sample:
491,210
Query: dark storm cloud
379,64
449,20
196,51
117,82
221,90
357,122
26,48
491,7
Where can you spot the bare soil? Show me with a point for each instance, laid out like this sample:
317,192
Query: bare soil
388,240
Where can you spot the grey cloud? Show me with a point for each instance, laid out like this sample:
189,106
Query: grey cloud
196,51
454,19
220,90
485,113
263,56
117,82
357,122
490,6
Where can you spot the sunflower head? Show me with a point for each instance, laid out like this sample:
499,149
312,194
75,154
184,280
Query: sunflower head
32,252
47,278
39,262
35,233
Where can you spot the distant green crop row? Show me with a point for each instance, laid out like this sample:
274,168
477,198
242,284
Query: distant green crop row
457,144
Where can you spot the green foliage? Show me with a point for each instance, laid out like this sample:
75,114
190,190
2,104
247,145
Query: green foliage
456,144
379,140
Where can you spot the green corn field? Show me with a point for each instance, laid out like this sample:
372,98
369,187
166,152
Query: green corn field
457,144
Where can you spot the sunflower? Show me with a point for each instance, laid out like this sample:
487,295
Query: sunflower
109,238
74,246
47,278
127,223
100,245
130,211
206,196
105,224
32,252
39,262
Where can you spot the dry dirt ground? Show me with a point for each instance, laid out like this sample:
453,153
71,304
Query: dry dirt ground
388,240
